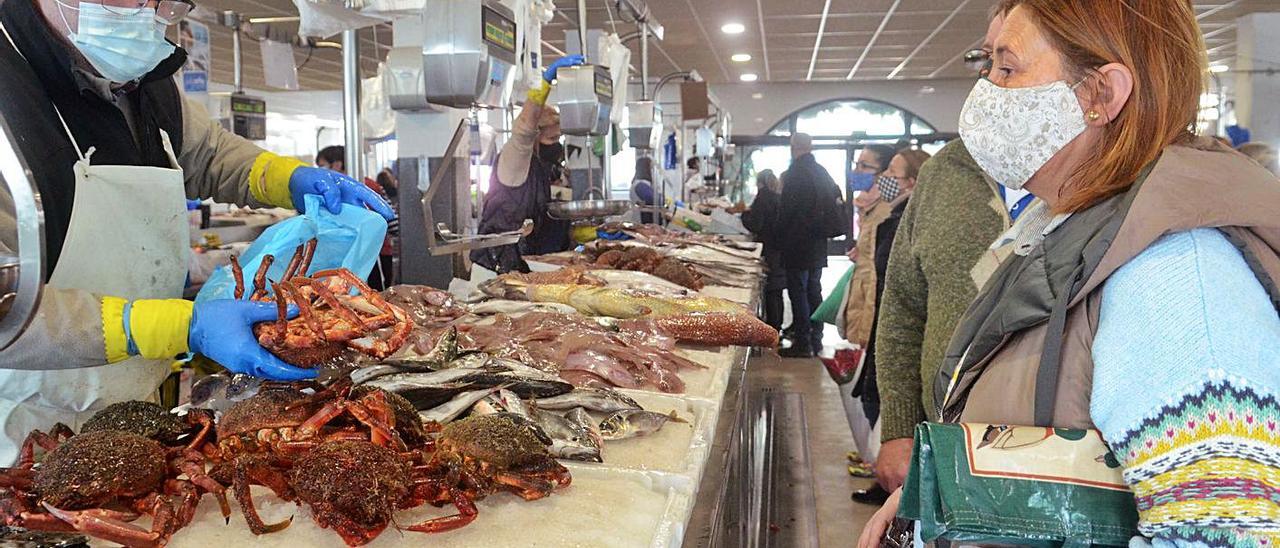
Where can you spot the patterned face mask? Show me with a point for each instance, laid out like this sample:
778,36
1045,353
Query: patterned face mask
890,187
1013,132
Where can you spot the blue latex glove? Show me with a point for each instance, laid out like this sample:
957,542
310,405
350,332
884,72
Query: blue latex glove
222,330
549,74
336,189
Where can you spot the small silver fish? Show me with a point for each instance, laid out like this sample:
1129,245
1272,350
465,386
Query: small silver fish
594,399
572,451
502,401
632,424
456,406
580,417
413,379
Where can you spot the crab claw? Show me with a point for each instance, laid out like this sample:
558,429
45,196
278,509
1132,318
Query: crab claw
105,527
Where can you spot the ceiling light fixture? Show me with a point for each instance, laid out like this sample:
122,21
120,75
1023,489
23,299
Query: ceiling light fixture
1218,68
749,77
741,57
733,28
757,96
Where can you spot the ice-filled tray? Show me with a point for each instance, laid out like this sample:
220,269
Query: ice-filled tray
616,508
678,447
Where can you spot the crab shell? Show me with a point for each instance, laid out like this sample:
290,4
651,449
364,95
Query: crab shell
494,440
92,469
319,352
353,487
143,418
266,409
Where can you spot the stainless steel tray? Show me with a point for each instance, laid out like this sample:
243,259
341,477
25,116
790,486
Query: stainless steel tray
587,209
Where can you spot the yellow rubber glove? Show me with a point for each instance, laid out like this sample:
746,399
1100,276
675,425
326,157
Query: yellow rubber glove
151,328
269,179
539,94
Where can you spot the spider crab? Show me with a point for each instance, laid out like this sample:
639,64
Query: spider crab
97,482
262,437
482,455
329,318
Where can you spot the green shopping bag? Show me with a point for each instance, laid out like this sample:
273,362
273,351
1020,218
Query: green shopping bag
1024,485
831,308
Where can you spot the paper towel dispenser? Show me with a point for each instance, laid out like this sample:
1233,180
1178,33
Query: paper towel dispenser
584,95
644,124
469,54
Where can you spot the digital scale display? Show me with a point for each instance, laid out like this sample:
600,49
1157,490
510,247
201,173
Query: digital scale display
249,117
499,30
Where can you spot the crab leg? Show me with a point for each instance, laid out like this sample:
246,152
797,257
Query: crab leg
264,475
191,463
238,273
308,251
48,442
108,528
304,308
338,308
334,409
260,278
466,514
282,314
294,263
527,488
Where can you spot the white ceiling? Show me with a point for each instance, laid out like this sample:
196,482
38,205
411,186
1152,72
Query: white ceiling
856,40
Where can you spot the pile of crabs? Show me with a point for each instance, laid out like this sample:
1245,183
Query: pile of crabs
354,456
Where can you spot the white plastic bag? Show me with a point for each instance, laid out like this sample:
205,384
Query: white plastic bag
325,18
377,120
618,58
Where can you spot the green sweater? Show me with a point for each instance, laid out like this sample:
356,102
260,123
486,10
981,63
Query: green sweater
954,215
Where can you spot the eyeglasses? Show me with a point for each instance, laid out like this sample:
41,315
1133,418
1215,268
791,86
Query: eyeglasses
168,12
979,60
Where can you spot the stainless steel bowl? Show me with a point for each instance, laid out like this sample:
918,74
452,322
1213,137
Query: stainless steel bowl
587,209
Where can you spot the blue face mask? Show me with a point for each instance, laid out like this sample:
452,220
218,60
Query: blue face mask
121,47
862,182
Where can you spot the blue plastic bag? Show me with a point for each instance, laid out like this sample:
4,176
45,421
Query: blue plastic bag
351,239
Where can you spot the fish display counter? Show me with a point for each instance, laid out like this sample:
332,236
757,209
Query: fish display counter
589,405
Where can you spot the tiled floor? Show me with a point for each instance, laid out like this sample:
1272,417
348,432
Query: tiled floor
839,518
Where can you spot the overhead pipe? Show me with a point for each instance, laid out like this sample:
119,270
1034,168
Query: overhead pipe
351,104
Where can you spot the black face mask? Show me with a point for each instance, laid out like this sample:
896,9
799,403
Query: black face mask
552,154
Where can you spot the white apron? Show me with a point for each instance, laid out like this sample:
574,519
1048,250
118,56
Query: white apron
128,238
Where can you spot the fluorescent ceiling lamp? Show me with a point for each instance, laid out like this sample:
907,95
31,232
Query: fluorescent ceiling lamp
749,77
1219,68
741,57
757,96
733,28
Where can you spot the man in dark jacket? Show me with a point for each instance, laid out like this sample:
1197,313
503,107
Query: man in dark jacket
804,249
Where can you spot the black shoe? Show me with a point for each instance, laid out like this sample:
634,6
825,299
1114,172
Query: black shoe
875,496
796,351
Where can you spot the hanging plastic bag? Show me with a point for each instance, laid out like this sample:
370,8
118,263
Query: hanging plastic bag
325,18
350,239
618,59
377,120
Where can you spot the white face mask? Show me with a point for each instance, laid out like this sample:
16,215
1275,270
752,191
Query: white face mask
122,47
1013,132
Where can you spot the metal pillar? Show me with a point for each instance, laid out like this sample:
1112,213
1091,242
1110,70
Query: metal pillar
237,64
644,61
582,26
351,104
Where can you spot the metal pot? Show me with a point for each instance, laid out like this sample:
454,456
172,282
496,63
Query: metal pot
587,209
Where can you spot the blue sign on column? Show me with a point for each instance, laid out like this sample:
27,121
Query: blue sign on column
193,36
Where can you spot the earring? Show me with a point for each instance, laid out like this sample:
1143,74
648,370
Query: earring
1093,115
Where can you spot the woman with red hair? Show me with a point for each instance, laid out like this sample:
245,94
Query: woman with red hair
1139,298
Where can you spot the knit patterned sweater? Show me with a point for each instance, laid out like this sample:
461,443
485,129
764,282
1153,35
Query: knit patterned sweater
953,216
1186,378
